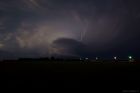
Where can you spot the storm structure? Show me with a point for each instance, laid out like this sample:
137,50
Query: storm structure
79,28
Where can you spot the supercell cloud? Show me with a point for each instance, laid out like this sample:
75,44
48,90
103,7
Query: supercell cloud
38,28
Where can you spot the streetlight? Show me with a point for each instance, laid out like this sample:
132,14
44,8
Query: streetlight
130,57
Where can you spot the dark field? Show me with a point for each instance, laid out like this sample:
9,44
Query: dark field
71,74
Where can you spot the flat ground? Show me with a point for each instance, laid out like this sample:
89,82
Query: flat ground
72,74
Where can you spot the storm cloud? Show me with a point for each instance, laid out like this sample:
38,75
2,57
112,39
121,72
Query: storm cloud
71,27
70,47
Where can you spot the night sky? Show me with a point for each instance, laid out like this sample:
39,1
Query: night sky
77,28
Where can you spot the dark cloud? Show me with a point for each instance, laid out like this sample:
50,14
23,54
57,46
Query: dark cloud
66,46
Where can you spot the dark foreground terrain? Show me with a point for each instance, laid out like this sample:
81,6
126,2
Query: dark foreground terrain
73,74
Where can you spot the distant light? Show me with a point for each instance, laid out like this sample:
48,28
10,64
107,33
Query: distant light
130,57
115,58
80,58
86,58
96,58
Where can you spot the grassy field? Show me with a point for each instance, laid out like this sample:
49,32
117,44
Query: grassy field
71,74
